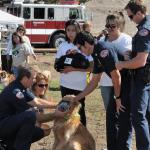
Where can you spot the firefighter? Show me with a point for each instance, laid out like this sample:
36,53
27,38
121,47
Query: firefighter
140,65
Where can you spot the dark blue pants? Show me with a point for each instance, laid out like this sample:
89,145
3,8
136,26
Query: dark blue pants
19,130
119,127
107,93
6,64
111,123
125,124
66,91
140,101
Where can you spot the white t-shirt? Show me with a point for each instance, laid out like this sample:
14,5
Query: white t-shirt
123,43
75,80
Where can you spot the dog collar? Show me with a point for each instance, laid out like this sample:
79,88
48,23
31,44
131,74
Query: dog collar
76,116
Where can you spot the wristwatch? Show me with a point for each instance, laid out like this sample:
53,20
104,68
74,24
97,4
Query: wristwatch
117,97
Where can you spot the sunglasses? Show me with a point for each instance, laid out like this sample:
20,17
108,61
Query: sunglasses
42,85
112,26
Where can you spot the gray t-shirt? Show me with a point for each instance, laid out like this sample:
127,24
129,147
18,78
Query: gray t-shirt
19,55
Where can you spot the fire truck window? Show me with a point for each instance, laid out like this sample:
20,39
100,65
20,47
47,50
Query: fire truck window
50,13
26,13
74,13
39,13
14,11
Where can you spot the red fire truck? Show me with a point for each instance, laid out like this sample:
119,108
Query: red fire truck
45,22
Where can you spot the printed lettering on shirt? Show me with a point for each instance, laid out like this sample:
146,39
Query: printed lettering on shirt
15,52
143,32
104,53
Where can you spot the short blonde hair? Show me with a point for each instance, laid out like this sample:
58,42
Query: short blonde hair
47,73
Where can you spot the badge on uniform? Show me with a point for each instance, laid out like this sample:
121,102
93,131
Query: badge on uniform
18,93
104,53
143,32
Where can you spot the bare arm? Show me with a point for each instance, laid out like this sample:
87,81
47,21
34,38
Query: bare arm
134,63
50,116
41,103
90,87
45,117
69,69
116,80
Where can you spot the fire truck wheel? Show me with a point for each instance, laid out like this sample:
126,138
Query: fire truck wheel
57,40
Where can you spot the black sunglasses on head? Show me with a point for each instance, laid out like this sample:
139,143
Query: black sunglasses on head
112,26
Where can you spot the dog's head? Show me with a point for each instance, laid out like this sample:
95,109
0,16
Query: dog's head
68,105
3,76
6,78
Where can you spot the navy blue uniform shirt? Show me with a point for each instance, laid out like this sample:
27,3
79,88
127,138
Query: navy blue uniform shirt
104,58
141,40
13,99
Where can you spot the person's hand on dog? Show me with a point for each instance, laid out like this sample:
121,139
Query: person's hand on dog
76,99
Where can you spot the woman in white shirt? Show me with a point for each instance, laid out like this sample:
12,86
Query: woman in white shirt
122,42
73,80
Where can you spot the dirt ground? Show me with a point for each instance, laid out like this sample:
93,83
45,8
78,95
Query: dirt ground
94,109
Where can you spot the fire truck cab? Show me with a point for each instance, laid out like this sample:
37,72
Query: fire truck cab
45,22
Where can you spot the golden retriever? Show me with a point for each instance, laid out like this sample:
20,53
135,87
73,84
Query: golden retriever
69,133
6,78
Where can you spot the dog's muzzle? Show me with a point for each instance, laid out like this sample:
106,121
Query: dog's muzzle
63,106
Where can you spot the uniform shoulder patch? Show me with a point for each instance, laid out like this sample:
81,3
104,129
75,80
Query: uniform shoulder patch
104,53
143,32
18,93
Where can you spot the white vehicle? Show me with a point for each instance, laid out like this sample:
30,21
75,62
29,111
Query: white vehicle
45,22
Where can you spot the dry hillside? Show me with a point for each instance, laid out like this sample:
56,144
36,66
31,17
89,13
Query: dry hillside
101,8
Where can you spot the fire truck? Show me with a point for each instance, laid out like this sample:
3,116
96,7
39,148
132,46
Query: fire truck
45,22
